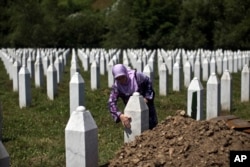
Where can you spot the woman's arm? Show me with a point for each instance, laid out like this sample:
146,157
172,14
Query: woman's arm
112,104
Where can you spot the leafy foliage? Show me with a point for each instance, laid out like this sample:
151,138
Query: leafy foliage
188,24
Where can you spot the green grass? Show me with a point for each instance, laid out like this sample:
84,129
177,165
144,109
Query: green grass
34,136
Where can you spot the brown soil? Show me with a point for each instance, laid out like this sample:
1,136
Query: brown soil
182,141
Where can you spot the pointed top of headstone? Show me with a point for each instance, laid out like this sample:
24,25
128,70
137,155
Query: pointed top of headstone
16,63
176,64
187,64
163,67
212,59
213,79
24,70
195,84
76,78
94,64
136,103
80,109
51,67
136,94
226,75
147,68
245,68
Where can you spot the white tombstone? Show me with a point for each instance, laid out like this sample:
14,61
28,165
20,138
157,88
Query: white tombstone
51,58
110,75
139,65
148,72
16,68
74,68
115,59
160,61
231,63
226,91
169,64
163,80
74,57
4,156
76,92
245,84
45,64
61,60
213,66
39,73
240,61
235,63
225,63
245,60
187,74
126,62
24,87
107,57
205,69
137,109
197,69
219,65
102,65
176,77
133,58
7,64
213,97
66,55
178,59
192,60
85,62
11,62
51,82
58,66
30,66
151,63
81,139
24,59
95,75
195,99
144,60
97,57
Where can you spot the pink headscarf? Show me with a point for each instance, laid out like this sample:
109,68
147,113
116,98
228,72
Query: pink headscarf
131,85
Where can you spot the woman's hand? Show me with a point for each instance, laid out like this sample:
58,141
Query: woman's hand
125,120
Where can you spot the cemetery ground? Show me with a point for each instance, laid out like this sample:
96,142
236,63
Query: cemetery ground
34,136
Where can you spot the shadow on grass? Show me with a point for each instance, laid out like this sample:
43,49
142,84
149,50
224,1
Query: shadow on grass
7,139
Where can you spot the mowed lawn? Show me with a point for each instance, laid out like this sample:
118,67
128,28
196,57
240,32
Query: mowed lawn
34,136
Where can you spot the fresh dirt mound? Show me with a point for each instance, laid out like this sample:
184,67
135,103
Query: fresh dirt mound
183,141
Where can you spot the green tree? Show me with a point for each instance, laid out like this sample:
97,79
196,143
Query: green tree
4,28
162,18
120,26
26,23
141,23
233,32
191,32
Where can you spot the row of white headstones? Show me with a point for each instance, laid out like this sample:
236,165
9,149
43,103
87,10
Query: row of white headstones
190,66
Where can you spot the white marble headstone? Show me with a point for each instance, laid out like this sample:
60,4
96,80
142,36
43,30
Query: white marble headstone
137,109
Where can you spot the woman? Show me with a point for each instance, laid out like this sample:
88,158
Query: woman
126,83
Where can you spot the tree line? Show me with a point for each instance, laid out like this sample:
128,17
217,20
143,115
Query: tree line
168,24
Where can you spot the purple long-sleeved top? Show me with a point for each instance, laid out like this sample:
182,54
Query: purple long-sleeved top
144,88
